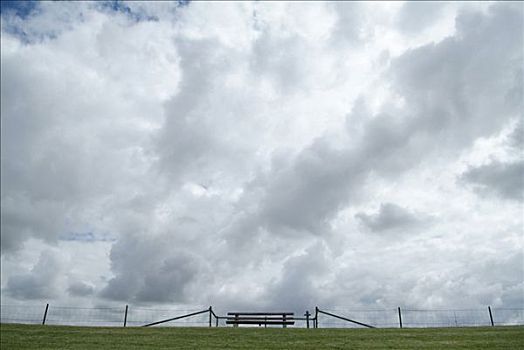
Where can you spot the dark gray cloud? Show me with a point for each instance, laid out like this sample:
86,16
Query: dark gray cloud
40,282
516,138
277,58
185,140
301,275
393,218
456,89
415,16
347,29
80,289
301,195
505,180
202,139
70,109
304,195
443,114
150,271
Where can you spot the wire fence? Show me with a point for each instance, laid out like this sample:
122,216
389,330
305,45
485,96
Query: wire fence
205,317
421,318
77,316
142,316
446,318
99,316
509,317
384,318
21,313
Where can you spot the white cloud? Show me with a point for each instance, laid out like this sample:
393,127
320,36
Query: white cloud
216,149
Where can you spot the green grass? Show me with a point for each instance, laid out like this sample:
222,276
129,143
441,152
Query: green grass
63,337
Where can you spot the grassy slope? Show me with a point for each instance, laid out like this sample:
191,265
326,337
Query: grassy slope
62,337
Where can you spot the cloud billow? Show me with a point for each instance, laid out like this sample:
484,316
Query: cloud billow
391,217
504,180
261,154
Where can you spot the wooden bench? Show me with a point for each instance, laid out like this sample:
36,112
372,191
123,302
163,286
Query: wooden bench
261,318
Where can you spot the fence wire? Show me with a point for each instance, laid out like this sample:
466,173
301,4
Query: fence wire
386,318
27,314
422,318
142,316
137,316
445,318
99,316
508,317
77,316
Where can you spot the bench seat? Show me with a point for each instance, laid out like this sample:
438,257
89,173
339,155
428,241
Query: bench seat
261,318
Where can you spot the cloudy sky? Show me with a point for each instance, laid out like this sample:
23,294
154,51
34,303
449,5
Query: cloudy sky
262,154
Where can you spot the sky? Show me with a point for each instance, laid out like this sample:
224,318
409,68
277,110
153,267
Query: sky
262,155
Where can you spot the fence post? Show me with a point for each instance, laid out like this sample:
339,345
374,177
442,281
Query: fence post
210,315
125,316
307,314
491,316
316,316
399,317
45,313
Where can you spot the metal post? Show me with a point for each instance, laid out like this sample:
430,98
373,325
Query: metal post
216,321
307,314
399,317
491,317
316,316
45,313
125,316
210,314
284,319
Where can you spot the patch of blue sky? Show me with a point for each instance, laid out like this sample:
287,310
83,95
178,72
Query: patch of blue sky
15,13
87,237
121,7
137,16
19,8
26,36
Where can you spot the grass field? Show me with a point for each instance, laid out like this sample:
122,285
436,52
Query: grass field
63,337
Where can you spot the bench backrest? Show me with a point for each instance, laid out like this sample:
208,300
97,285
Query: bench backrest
261,318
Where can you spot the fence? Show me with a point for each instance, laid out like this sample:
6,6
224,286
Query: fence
126,316
97,316
419,318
